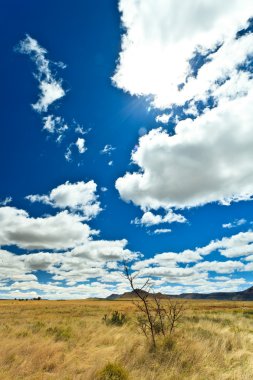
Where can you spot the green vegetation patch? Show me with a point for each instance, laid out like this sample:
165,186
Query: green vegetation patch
116,318
60,333
112,371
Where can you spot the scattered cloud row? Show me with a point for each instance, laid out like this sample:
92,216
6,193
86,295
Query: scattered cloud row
93,267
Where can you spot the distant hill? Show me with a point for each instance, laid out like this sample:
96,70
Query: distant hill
245,295
129,295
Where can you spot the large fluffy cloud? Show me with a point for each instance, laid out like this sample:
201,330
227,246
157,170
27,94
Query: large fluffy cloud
207,159
219,77
61,231
194,57
103,250
161,38
12,268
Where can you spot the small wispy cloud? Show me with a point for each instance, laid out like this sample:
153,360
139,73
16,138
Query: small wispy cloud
164,118
80,143
68,153
50,86
235,223
51,89
162,231
108,149
54,124
80,129
6,201
150,219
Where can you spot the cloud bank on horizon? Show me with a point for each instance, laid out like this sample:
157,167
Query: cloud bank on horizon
78,262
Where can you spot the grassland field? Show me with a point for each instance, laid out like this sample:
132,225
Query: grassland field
67,340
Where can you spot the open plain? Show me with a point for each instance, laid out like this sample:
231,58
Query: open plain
69,340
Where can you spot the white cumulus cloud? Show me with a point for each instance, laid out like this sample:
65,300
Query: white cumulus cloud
206,160
161,38
77,197
61,231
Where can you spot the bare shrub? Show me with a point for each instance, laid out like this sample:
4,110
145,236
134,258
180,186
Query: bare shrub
157,316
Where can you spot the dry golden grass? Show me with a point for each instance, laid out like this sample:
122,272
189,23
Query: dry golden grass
68,340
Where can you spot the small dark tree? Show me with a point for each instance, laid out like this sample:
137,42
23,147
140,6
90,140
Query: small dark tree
147,319
157,316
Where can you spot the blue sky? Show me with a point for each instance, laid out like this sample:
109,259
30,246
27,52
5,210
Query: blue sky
126,133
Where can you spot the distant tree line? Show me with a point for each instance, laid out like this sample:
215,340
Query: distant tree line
28,299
